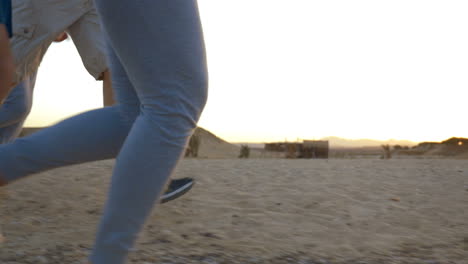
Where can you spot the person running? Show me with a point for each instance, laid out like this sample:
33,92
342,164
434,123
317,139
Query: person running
157,58
37,25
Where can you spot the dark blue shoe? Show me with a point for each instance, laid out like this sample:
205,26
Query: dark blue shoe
176,189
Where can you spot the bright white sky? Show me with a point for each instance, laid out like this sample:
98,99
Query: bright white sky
309,69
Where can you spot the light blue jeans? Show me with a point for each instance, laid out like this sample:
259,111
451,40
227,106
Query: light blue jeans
159,75
15,109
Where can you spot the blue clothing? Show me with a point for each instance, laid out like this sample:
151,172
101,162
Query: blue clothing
5,15
15,109
159,76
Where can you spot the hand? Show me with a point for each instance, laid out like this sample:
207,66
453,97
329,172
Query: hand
61,37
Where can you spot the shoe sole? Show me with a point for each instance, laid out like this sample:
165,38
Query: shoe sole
177,193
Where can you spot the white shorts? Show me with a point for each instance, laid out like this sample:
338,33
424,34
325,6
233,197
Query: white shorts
36,23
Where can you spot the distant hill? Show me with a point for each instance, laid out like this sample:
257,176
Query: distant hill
214,147
452,147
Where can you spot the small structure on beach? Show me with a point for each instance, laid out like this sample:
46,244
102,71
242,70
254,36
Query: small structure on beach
308,149
317,149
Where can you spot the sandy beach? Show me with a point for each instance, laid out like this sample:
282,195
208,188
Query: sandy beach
256,211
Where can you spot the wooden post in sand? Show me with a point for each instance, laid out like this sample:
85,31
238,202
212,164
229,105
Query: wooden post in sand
387,152
193,146
244,152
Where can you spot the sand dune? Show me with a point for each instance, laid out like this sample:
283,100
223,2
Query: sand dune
214,147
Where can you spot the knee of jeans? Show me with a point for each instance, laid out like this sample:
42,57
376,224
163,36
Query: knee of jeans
128,112
185,99
175,120
17,111
24,109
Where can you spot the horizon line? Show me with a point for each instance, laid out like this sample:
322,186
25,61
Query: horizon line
301,139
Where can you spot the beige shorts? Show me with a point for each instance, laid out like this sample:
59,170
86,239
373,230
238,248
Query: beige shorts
36,23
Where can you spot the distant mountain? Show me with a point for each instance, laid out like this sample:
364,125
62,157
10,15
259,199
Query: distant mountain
337,142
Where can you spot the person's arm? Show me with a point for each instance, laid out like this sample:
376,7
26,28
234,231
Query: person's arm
6,64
